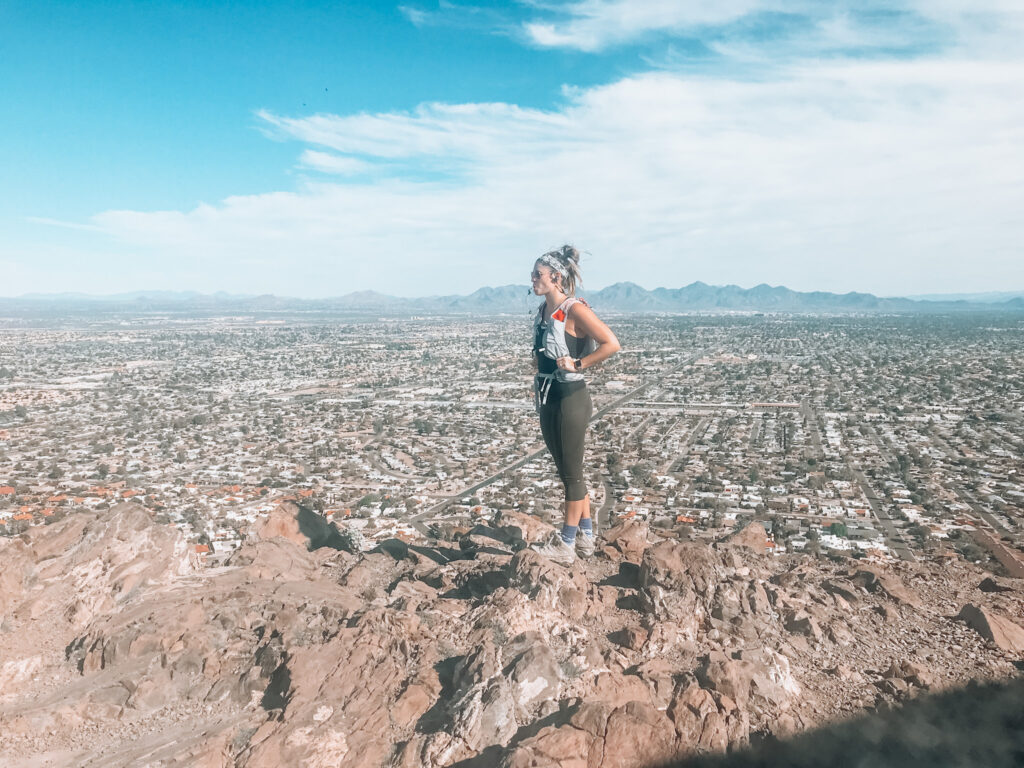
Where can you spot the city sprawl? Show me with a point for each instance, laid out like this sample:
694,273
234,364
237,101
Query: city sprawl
871,437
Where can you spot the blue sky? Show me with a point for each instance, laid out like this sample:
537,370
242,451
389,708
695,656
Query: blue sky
311,149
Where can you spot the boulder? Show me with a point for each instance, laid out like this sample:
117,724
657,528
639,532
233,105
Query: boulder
630,637
637,734
731,677
485,715
1004,633
681,566
555,747
875,580
300,525
999,584
752,536
628,537
530,529
910,672
802,623
534,678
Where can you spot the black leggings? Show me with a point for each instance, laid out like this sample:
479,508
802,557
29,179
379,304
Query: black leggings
563,422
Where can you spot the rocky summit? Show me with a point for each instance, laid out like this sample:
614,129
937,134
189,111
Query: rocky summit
117,648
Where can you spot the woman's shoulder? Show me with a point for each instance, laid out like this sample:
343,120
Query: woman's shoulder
578,306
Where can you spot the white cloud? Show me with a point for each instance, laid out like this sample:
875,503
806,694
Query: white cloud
591,25
414,15
335,164
889,177
595,25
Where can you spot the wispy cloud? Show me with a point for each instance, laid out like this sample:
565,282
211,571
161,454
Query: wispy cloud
417,16
334,164
797,27
64,224
592,25
886,176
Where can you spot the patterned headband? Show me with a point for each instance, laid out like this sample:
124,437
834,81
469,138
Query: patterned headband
548,260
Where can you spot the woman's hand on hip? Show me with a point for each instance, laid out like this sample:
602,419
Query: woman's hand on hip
566,363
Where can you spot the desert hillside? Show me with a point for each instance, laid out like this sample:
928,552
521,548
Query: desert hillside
117,648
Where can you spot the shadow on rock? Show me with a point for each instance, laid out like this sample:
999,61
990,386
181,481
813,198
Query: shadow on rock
980,725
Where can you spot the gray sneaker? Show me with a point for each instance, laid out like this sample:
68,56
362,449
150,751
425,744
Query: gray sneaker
585,544
556,550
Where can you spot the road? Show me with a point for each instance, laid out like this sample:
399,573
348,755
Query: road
894,538
812,427
755,435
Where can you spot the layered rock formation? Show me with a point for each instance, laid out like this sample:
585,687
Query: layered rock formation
117,650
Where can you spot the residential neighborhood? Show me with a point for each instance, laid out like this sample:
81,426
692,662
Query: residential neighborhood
869,437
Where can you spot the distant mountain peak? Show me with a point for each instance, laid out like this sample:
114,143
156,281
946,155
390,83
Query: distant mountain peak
625,296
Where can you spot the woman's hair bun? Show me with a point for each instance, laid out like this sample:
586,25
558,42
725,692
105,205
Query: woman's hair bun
568,253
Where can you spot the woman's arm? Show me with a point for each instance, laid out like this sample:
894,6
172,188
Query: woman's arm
589,324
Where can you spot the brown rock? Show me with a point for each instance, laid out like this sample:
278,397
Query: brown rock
728,676
617,689
478,667
414,701
802,623
1000,630
998,584
752,536
910,672
572,602
529,528
727,603
638,735
535,677
842,673
629,537
680,566
630,637
690,708
562,747
485,715
875,580
757,599
410,595
843,588
660,675
300,525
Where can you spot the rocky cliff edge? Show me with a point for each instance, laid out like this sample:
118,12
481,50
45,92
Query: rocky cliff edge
118,649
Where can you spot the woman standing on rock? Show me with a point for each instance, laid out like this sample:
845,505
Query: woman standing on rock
568,338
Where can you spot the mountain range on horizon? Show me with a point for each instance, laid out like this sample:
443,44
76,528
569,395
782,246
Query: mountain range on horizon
624,297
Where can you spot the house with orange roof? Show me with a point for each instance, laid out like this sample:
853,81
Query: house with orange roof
23,516
48,512
6,490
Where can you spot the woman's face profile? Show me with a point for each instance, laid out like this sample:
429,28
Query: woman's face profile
542,280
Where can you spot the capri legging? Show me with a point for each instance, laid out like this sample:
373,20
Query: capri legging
563,422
